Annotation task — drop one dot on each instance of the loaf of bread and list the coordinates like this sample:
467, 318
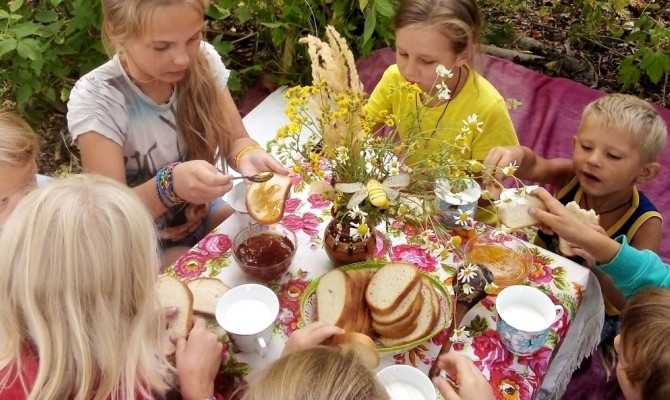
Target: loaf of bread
588, 217
265, 200
172, 292
362, 346
206, 293
513, 209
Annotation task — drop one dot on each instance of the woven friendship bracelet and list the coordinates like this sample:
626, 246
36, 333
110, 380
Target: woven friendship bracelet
165, 186
243, 152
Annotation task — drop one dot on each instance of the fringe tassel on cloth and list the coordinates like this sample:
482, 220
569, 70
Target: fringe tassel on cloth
580, 341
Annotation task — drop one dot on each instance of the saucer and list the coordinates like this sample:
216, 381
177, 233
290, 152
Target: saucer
404, 382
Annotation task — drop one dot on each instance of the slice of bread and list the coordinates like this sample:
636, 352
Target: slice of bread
361, 345
588, 217
172, 292
360, 321
513, 215
402, 327
265, 200
206, 293
408, 308
334, 298
425, 321
388, 288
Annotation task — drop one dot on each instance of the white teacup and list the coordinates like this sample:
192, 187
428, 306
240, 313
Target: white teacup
525, 315
403, 381
247, 313
236, 198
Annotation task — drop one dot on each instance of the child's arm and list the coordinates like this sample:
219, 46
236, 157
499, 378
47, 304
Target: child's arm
629, 268
648, 235
195, 181
556, 172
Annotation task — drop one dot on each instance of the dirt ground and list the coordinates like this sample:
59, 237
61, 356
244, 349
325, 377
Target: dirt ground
538, 40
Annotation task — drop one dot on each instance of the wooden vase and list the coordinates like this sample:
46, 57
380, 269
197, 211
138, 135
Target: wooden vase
342, 248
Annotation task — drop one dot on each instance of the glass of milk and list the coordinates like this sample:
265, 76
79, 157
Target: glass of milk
247, 313
525, 315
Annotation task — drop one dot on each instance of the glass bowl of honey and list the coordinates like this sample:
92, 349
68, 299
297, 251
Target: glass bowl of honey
264, 252
507, 257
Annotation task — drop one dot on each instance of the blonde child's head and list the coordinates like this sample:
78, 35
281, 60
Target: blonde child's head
19, 148
644, 346
318, 373
458, 20
199, 114
78, 268
634, 115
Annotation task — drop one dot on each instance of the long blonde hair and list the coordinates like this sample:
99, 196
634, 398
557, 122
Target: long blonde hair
18, 141
78, 269
458, 20
199, 115
319, 373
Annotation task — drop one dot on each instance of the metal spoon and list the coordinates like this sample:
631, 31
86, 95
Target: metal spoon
258, 178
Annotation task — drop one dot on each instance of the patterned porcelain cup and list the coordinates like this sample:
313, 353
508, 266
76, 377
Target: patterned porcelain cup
525, 315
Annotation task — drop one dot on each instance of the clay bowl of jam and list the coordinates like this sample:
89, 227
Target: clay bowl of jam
264, 252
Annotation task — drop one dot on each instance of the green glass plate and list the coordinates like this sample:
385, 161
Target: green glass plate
308, 306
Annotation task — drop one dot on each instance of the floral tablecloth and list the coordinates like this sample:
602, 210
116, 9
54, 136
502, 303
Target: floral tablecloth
511, 376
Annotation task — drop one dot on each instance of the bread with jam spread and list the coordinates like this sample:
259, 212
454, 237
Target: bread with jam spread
265, 200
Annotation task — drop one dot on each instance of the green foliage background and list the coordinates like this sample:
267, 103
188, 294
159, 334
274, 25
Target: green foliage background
45, 46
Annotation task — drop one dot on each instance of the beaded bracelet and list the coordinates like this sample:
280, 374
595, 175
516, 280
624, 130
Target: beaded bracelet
165, 186
243, 152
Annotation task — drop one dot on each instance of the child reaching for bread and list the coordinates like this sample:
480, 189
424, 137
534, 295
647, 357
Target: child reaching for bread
629, 268
616, 148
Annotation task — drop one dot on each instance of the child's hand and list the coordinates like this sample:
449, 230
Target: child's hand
310, 336
258, 160
198, 362
199, 182
471, 383
559, 220
502, 157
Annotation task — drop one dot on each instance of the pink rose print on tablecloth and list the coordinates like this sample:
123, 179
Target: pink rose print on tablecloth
292, 204
318, 202
190, 265
214, 245
561, 326
540, 272
490, 351
538, 361
509, 385
307, 223
381, 244
440, 337
488, 302
413, 253
289, 302
295, 179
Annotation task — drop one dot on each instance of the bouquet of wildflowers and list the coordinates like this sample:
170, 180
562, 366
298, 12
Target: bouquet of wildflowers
351, 158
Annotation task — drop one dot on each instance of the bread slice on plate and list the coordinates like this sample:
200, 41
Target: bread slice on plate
402, 327
426, 320
361, 345
409, 307
513, 209
360, 320
588, 217
389, 286
265, 200
334, 298
206, 293
172, 292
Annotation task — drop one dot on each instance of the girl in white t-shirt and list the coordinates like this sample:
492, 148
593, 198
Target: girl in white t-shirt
158, 116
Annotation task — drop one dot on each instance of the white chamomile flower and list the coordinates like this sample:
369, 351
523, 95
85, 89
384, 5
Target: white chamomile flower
443, 72
357, 213
359, 231
529, 189
341, 154
464, 217
443, 92
460, 334
510, 169
496, 233
473, 123
491, 288
467, 289
468, 272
